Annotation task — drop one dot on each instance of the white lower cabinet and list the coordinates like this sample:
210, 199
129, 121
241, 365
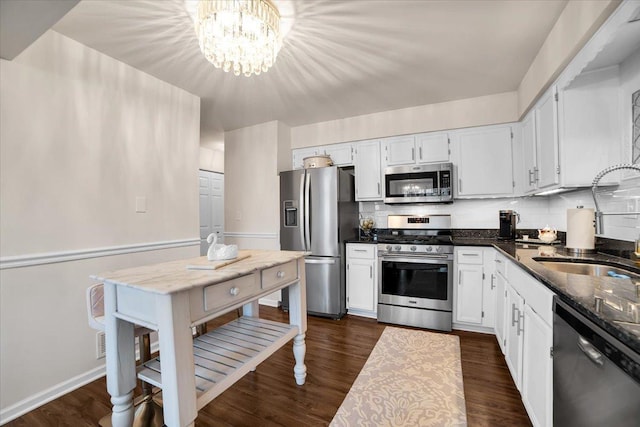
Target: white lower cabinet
537, 369
474, 289
362, 280
514, 334
528, 340
501, 304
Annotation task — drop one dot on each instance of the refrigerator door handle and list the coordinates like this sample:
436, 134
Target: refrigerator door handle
307, 212
302, 211
319, 261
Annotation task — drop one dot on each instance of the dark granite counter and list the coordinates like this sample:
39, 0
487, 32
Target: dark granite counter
620, 306
369, 242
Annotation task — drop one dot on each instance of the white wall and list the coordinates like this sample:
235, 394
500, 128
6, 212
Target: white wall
484, 110
252, 189
81, 137
577, 23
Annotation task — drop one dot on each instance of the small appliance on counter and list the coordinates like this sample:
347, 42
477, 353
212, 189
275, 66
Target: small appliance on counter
508, 220
581, 230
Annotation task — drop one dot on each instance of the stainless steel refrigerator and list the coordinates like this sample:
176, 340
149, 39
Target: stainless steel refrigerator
318, 213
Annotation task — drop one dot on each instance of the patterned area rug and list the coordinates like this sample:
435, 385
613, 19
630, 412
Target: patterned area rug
412, 378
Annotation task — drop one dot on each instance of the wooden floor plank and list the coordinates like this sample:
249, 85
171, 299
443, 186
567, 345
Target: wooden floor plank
336, 352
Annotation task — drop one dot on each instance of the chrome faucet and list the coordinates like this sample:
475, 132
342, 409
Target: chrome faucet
596, 180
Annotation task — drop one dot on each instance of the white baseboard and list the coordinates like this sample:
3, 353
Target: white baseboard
39, 399
35, 401
473, 328
269, 302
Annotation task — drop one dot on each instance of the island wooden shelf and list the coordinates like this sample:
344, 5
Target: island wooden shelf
226, 354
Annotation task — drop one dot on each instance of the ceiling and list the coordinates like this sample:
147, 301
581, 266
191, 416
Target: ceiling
339, 59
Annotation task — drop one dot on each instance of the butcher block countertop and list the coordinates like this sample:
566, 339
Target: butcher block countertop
174, 276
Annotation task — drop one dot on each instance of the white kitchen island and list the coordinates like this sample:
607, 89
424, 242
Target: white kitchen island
171, 299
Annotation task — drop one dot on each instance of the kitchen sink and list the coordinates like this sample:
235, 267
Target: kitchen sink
586, 269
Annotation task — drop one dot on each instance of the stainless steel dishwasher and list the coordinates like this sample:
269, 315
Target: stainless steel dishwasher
596, 378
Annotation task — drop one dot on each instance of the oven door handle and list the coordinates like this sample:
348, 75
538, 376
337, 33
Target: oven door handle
413, 257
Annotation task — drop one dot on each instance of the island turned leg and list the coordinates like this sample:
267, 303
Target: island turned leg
120, 361
298, 317
299, 350
123, 413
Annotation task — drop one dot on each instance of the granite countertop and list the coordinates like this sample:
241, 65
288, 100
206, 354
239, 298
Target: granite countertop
366, 242
620, 310
174, 276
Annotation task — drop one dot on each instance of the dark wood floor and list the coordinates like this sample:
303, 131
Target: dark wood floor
336, 352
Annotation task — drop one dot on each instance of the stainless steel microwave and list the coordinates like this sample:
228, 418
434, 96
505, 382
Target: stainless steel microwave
431, 183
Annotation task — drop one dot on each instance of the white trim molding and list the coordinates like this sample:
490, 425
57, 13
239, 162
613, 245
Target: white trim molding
64, 256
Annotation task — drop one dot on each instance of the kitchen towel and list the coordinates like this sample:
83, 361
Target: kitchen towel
581, 231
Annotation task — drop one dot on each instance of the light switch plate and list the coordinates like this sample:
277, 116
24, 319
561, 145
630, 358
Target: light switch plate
141, 204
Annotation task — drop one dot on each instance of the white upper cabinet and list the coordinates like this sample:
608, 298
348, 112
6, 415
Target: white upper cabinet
400, 150
484, 162
591, 120
300, 154
368, 171
432, 147
546, 112
341, 154
539, 131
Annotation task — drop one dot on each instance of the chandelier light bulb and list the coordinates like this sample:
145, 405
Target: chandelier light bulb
242, 36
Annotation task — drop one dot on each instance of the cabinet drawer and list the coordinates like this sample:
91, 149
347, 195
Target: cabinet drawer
361, 251
274, 276
223, 294
469, 256
501, 265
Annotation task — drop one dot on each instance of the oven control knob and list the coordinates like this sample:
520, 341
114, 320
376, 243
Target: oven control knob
413, 248
438, 249
429, 248
397, 248
388, 248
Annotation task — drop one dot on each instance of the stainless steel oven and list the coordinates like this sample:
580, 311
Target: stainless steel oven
415, 265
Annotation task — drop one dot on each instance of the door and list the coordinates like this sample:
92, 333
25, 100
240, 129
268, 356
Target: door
211, 191
291, 210
361, 287
469, 294
501, 304
489, 289
368, 172
514, 335
321, 189
433, 148
485, 162
400, 150
529, 152
325, 295
547, 140
537, 373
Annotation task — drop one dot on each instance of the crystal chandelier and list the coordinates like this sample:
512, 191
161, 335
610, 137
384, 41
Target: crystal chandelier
242, 36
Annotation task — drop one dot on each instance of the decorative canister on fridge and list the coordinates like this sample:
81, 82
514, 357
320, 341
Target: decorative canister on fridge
319, 161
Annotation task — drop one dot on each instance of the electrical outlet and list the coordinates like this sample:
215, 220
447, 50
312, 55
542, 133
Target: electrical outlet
101, 345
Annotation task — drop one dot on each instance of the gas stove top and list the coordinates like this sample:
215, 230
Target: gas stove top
424, 234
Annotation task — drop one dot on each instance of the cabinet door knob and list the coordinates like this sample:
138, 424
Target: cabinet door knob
280, 274
234, 291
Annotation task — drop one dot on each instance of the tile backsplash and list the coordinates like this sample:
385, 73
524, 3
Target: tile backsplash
535, 212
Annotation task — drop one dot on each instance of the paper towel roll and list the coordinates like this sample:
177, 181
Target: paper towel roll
581, 231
